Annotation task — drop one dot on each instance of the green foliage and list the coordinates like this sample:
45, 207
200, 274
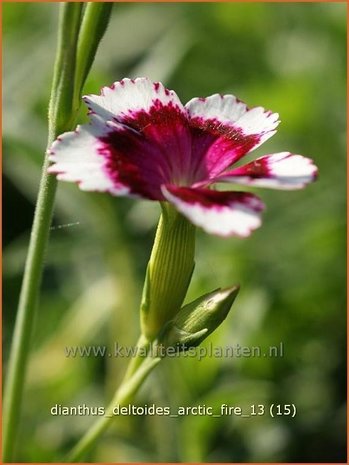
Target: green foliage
287, 57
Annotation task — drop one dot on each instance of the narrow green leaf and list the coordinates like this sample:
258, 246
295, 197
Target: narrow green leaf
94, 24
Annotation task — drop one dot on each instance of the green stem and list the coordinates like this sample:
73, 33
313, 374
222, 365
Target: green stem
62, 91
123, 396
142, 345
72, 49
168, 276
59, 114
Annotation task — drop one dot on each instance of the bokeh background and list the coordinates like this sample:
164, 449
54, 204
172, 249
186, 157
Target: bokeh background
289, 57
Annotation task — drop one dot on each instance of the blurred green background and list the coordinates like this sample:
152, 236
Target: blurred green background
289, 57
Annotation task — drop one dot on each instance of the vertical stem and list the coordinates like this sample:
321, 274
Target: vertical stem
142, 345
59, 119
75, 53
123, 396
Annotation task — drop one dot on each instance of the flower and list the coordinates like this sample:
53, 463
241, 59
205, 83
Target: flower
142, 142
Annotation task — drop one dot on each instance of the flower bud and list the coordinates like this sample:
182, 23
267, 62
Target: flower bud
197, 320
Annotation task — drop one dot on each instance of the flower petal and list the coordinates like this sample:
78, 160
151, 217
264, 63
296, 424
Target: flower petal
75, 156
155, 112
224, 130
110, 157
225, 115
282, 170
220, 213
128, 96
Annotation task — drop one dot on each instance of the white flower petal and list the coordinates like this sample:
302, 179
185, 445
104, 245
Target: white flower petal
282, 170
75, 157
130, 96
223, 131
220, 213
228, 115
